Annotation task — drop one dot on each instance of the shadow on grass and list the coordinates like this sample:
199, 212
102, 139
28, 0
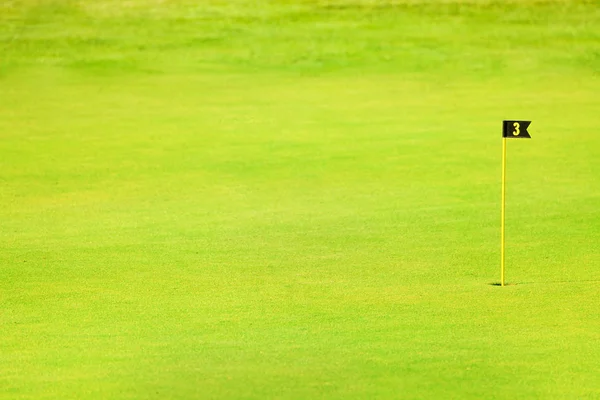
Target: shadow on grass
546, 283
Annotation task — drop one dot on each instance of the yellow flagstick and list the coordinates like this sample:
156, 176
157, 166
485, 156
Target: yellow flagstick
503, 211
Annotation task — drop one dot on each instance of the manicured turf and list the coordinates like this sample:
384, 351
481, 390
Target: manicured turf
298, 199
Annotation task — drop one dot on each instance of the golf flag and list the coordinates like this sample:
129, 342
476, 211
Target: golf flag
515, 129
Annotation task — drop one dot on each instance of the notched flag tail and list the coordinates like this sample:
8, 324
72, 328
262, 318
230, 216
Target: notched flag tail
515, 129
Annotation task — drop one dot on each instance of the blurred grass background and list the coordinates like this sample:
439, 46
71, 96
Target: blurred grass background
449, 38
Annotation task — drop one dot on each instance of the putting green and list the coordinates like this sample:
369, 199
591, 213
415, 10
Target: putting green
297, 199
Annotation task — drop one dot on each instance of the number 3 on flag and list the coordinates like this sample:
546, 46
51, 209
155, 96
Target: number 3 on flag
515, 129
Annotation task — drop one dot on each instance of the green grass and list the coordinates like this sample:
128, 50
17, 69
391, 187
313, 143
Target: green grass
298, 199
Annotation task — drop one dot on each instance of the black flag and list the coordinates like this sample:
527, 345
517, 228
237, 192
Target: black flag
515, 129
